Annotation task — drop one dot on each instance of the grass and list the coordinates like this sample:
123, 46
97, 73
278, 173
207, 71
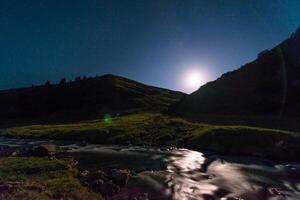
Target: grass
42, 178
158, 129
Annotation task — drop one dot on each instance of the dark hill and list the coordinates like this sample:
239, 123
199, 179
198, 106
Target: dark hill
268, 86
82, 99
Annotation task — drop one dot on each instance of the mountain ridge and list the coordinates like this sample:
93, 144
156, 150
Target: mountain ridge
84, 98
269, 85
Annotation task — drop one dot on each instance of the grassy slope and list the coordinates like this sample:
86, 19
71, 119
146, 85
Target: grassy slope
157, 129
42, 178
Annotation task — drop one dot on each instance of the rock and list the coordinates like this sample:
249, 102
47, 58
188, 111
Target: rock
36, 188
211, 176
208, 197
134, 174
98, 175
75, 162
97, 183
234, 198
120, 177
6, 150
101, 182
15, 153
6, 187
275, 192
13, 183
44, 150
83, 176
291, 170
144, 196
93, 179
84, 143
108, 188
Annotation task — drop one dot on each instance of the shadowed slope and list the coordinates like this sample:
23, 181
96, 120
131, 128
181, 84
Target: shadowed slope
270, 85
83, 99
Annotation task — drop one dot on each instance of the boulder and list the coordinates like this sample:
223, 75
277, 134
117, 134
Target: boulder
6, 188
15, 153
106, 184
145, 196
98, 175
83, 176
275, 192
120, 177
36, 188
6, 150
108, 188
44, 150
97, 183
84, 143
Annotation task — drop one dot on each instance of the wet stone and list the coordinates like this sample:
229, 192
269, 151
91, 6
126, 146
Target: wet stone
275, 192
108, 188
84, 143
97, 183
44, 150
145, 196
84, 174
98, 175
120, 177
36, 188
6, 187
234, 198
15, 153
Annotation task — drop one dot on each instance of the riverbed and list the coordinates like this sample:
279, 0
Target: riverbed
166, 173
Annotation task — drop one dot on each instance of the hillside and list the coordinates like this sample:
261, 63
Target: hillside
268, 86
82, 99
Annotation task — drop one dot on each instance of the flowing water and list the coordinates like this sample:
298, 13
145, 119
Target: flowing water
182, 174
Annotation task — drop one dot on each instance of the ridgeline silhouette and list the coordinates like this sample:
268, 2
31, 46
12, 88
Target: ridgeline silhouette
84, 98
268, 86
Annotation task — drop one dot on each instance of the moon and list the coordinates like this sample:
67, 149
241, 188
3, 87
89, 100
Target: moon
193, 79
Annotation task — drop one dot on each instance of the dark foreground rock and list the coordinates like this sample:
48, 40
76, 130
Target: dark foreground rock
120, 177
6, 150
9, 186
44, 150
96, 175
105, 183
107, 188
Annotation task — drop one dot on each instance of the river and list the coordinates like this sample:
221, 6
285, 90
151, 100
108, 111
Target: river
182, 174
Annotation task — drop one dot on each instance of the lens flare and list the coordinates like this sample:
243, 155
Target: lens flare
107, 119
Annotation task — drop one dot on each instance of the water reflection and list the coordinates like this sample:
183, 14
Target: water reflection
181, 174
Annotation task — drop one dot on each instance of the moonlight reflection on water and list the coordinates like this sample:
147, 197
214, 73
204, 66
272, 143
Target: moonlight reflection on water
182, 174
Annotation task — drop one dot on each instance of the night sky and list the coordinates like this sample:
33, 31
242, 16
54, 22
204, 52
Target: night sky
152, 41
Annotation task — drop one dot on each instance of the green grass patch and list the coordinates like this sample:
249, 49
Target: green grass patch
158, 129
42, 178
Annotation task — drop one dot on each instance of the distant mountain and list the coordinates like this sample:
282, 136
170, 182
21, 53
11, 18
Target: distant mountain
270, 85
82, 99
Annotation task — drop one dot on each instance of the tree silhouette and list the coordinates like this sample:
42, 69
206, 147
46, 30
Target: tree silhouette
63, 81
47, 83
78, 78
